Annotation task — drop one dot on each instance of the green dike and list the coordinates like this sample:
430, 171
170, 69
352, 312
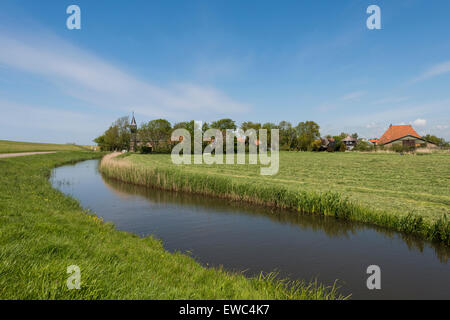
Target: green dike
243, 183
18, 147
42, 232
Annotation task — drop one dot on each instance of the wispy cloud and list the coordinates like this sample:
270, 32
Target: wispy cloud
339, 102
403, 113
434, 71
89, 78
326, 107
390, 100
380, 119
43, 123
373, 125
353, 95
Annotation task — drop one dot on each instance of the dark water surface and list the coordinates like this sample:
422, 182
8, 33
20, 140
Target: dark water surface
253, 239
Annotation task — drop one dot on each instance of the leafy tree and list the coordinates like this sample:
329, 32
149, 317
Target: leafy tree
224, 124
288, 135
191, 127
205, 126
269, 127
250, 125
157, 132
124, 135
185, 125
100, 141
440, 142
117, 137
307, 132
180, 125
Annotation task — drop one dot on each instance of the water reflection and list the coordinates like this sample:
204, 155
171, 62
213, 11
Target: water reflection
331, 226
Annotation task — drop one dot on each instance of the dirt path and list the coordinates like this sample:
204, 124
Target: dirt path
10, 155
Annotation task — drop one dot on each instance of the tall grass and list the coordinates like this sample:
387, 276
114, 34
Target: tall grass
42, 232
325, 203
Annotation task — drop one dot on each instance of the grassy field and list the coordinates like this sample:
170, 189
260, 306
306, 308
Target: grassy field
408, 193
15, 146
42, 232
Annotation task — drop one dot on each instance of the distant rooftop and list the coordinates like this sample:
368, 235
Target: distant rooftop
397, 132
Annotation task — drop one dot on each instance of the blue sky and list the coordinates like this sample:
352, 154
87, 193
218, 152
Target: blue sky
204, 60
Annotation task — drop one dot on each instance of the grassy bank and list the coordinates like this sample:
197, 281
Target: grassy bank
42, 232
407, 193
16, 146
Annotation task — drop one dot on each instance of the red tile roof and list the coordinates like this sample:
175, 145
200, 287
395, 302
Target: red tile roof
397, 132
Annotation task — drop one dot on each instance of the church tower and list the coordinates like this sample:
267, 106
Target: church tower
133, 139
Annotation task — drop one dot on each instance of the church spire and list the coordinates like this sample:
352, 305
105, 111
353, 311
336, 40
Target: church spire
133, 120
133, 138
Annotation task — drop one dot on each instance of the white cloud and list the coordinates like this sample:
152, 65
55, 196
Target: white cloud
87, 77
434, 71
420, 122
441, 127
46, 124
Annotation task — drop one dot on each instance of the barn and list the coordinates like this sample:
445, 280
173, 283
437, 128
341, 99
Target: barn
403, 135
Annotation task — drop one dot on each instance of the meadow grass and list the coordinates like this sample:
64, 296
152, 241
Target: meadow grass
407, 193
16, 146
42, 232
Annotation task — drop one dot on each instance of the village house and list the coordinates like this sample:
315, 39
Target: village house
349, 142
403, 135
327, 144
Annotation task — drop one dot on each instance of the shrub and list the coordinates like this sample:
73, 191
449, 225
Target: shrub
316, 144
145, 149
363, 146
401, 148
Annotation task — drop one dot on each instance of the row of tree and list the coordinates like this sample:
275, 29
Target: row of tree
305, 136
158, 133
